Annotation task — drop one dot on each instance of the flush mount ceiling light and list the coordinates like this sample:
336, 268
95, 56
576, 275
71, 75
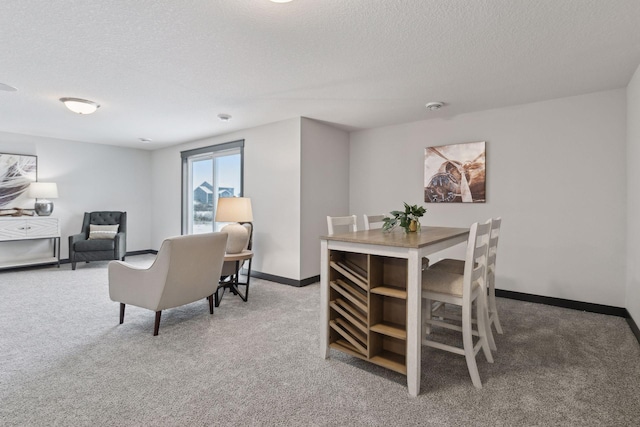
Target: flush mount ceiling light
145, 140
280, 1
434, 106
80, 106
224, 117
7, 88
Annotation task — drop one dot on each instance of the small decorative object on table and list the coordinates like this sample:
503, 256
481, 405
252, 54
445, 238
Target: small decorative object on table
16, 212
407, 219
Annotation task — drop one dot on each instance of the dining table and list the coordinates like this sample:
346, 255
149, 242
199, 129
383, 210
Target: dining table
370, 290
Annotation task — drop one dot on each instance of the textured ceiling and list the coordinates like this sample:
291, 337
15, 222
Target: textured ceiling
164, 69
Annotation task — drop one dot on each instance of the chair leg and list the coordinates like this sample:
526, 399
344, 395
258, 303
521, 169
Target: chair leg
423, 323
426, 304
210, 298
486, 337
490, 340
121, 313
495, 320
73, 266
157, 324
493, 309
487, 321
467, 340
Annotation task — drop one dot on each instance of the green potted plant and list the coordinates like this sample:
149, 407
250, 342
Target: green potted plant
407, 219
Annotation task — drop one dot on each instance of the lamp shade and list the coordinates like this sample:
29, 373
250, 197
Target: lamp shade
43, 190
234, 209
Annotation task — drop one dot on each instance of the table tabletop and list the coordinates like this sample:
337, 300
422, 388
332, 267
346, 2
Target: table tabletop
240, 256
398, 238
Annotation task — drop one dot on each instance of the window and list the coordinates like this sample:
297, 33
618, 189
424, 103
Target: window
209, 173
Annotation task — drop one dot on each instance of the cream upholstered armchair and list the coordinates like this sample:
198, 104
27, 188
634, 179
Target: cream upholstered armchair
186, 269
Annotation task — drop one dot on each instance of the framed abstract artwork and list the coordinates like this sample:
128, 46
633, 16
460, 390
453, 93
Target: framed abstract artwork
17, 172
455, 173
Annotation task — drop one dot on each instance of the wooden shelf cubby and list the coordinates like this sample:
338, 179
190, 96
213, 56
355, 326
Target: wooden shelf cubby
368, 312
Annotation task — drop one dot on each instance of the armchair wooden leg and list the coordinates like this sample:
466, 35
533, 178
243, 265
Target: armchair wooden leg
73, 265
210, 298
121, 313
157, 325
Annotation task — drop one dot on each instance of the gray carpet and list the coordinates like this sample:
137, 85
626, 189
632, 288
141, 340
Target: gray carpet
64, 360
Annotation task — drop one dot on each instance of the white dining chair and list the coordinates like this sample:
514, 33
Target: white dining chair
348, 223
491, 274
457, 266
373, 221
462, 290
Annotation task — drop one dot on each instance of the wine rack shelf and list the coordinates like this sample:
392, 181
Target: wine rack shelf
367, 304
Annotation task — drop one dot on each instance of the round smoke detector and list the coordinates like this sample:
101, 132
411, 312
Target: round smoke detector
433, 106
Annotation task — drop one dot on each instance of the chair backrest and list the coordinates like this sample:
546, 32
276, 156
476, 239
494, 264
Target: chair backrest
341, 221
475, 265
105, 218
493, 248
373, 221
193, 264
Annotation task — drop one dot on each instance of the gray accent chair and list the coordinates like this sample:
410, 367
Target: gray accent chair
83, 249
185, 270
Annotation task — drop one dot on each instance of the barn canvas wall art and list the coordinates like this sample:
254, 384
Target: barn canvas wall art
455, 173
17, 172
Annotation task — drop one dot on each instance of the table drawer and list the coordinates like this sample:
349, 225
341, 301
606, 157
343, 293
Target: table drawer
42, 227
28, 228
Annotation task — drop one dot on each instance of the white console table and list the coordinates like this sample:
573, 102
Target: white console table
30, 228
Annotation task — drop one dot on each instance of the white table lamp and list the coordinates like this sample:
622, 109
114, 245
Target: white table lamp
42, 192
236, 210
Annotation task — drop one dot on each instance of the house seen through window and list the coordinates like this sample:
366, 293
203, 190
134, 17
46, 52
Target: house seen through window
209, 173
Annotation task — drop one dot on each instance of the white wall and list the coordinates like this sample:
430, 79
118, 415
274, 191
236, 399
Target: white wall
633, 194
555, 172
325, 189
272, 181
90, 177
